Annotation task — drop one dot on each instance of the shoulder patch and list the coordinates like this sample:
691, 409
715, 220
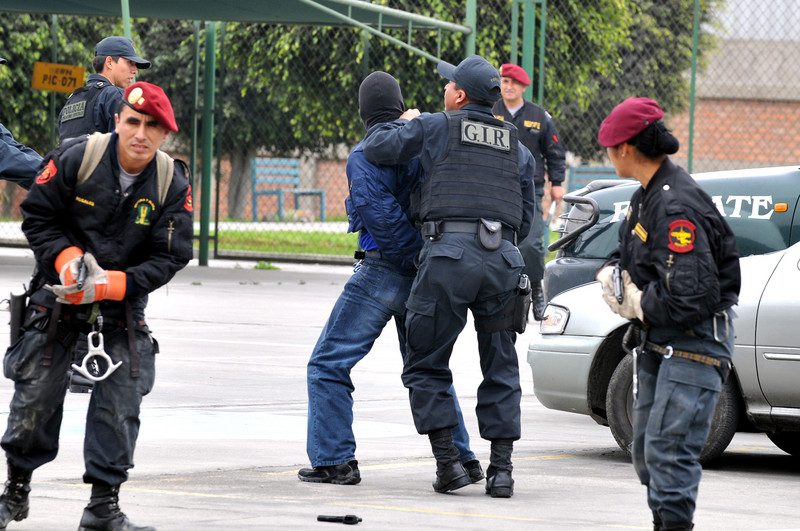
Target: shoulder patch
188, 203
681, 236
47, 173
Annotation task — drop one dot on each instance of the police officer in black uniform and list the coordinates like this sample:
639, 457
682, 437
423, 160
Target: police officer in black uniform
474, 201
538, 133
94, 281
91, 108
680, 277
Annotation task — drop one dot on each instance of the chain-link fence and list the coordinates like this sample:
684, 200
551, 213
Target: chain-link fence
290, 93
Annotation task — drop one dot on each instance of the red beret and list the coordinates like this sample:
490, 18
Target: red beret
517, 73
150, 99
627, 120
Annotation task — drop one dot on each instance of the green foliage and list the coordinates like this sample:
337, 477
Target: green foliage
25, 40
651, 60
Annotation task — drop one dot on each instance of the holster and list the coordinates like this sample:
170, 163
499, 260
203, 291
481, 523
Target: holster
16, 305
522, 304
514, 316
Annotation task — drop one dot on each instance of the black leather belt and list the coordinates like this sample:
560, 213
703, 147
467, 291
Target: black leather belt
360, 255
669, 352
470, 227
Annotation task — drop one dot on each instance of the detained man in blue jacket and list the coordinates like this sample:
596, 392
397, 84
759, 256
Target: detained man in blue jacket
378, 208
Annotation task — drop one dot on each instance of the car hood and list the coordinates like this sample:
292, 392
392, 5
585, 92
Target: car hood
589, 315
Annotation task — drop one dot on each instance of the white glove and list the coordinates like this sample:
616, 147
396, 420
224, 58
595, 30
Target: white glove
631, 306
606, 278
99, 285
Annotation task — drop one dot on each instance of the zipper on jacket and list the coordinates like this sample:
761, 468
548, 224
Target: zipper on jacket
170, 230
670, 263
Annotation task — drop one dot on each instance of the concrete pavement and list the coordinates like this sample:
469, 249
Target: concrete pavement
223, 432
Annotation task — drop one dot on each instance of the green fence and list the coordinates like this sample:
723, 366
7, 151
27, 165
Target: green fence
290, 92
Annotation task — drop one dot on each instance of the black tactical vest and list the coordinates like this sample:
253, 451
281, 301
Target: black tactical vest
77, 117
478, 177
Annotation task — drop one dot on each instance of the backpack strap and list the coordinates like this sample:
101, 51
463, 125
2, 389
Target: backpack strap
95, 148
165, 167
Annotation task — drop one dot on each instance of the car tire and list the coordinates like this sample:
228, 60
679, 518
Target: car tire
619, 404
619, 412
788, 441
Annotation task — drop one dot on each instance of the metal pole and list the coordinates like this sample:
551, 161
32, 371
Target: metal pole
542, 26
196, 99
514, 30
528, 29
208, 139
691, 92
471, 21
54, 58
126, 18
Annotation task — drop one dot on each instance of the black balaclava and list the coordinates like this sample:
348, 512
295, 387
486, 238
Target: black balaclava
380, 99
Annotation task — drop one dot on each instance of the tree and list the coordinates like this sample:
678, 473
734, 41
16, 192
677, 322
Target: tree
25, 40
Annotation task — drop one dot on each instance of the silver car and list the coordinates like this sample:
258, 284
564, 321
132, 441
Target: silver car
579, 366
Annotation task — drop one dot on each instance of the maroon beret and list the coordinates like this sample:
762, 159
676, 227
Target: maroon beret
627, 120
517, 73
150, 99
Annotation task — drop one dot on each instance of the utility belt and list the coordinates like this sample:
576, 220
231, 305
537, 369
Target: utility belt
360, 255
489, 231
669, 352
649, 355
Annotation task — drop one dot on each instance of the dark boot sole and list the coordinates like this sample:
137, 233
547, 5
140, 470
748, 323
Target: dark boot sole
346, 481
457, 483
500, 492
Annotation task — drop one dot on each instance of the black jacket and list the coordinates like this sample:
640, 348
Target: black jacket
129, 232
678, 250
537, 132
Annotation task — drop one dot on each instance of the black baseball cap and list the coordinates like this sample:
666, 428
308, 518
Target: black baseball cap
120, 47
476, 76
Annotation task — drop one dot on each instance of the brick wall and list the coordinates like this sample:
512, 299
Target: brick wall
735, 133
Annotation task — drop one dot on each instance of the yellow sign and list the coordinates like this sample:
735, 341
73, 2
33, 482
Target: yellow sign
56, 77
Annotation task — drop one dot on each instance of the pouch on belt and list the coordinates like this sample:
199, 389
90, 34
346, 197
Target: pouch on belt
490, 233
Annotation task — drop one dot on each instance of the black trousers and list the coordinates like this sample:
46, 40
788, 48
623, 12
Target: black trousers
457, 274
37, 407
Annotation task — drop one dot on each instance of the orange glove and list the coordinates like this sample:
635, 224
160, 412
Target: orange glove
68, 262
99, 285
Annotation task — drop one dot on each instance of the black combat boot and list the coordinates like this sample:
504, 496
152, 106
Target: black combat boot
14, 500
450, 473
103, 513
537, 301
667, 525
499, 483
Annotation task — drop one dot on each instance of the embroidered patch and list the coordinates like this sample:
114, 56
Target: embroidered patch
143, 209
188, 204
640, 232
47, 173
681, 236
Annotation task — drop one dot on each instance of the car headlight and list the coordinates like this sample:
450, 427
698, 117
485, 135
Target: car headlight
555, 320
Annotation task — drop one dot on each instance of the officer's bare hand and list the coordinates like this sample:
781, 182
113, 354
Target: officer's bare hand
410, 114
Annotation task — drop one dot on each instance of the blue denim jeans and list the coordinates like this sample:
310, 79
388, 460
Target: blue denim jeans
671, 419
375, 293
